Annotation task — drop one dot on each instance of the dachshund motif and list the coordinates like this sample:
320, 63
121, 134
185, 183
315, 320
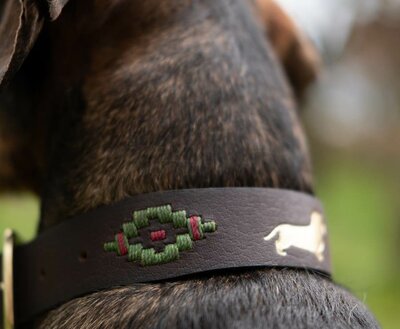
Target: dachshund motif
310, 237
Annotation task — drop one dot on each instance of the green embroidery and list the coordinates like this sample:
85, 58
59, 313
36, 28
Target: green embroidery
164, 214
184, 242
135, 252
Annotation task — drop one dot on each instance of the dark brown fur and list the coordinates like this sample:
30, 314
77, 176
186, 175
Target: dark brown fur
127, 97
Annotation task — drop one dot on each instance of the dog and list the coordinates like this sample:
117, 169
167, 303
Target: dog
103, 99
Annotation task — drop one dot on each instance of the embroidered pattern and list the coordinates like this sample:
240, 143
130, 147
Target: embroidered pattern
194, 227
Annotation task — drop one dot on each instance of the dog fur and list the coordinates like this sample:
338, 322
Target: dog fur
123, 97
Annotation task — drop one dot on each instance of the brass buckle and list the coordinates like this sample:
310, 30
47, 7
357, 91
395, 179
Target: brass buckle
7, 285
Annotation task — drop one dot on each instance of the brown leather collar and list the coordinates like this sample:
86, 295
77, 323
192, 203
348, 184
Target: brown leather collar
167, 235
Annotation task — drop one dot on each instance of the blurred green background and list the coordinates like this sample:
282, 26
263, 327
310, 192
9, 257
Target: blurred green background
352, 118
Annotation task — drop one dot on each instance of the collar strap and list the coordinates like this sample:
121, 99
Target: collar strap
165, 235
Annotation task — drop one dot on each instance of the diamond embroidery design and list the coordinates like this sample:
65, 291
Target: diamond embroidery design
194, 227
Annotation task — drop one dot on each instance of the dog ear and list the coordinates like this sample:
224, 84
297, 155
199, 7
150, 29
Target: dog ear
298, 56
55, 7
20, 24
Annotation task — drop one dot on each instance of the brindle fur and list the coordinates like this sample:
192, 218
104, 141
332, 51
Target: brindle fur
127, 97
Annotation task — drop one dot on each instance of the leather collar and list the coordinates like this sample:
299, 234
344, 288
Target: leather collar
165, 235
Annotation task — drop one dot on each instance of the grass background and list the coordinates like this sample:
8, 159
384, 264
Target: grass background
364, 225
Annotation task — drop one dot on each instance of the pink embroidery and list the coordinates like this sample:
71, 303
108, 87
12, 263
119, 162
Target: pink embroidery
121, 244
194, 223
158, 235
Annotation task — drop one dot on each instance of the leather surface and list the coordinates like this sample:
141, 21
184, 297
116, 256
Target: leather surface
49, 271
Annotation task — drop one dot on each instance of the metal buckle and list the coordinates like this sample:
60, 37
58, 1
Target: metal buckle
7, 285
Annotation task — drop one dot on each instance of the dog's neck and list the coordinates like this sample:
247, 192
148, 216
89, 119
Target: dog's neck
186, 96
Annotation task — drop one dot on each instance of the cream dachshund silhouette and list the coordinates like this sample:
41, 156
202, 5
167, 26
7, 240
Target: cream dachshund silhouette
309, 237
